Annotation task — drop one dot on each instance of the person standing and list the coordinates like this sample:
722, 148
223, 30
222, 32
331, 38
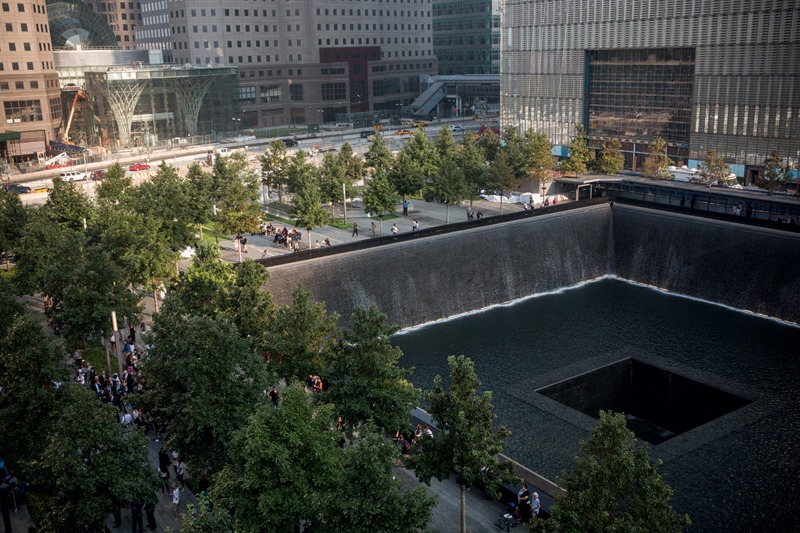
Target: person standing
524, 503
137, 524
374, 227
274, 396
536, 504
394, 229
176, 499
355, 230
414, 226
405, 208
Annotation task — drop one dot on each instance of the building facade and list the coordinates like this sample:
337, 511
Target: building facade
30, 104
466, 36
154, 31
308, 62
702, 74
122, 17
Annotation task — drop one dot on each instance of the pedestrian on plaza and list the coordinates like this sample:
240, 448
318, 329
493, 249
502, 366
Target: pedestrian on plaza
163, 475
414, 226
113, 341
405, 208
274, 396
355, 230
176, 499
394, 229
374, 227
536, 504
137, 525
244, 244
150, 512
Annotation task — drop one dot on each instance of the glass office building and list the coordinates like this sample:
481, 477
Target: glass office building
466, 36
703, 74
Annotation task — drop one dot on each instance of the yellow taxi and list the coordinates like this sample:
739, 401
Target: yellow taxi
403, 132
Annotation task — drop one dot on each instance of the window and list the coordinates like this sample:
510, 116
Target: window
6, 8
23, 111
271, 93
23, 27
21, 8
19, 85
55, 108
34, 84
296, 92
334, 91
3, 85
247, 94
14, 66
12, 47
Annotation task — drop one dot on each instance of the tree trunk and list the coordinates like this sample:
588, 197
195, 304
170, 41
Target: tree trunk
309, 238
201, 230
501, 202
447, 213
463, 508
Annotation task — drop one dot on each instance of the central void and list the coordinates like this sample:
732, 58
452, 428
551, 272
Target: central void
658, 404
733, 471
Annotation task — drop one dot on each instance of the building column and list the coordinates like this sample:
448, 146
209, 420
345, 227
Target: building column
123, 95
189, 93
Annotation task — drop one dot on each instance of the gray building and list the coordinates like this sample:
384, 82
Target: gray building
466, 36
154, 31
721, 75
308, 61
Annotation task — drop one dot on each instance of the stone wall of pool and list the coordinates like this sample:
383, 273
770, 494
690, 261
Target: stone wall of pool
419, 281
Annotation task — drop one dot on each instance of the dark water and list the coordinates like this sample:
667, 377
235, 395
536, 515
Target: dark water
737, 473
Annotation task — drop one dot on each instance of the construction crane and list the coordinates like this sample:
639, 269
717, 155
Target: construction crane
80, 95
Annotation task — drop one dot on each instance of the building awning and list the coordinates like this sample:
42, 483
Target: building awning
9, 136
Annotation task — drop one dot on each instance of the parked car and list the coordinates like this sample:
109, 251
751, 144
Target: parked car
73, 175
366, 134
326, 148
99, 174
403, 132
456, 127
138, 166
17, 188
289, 142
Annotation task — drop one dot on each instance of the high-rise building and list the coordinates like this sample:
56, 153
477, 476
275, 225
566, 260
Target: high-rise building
154, 31
466, 36
30, 104
702, 74
308, 61
123, 17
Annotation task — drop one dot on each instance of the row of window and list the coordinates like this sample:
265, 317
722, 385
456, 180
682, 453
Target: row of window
111, 6
457, 8
29, 65
375, 27
6, 7
32, 84
23, 27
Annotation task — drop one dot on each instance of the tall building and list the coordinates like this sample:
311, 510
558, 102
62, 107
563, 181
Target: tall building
308, 61
122, 17
154, 31
30, 112
466, 36
702, 74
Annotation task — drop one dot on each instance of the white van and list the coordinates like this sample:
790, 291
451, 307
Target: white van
223, 152
73, 175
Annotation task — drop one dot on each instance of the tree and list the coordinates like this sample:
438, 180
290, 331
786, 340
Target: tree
249, 305
378, 157
237, 196
466, 444
517, 153
490, 144
366, 383
301, 338
370, 498
115, 187
775, 175
614, 487
38, 251
165, 199
444, 143
201, 195
67, 205
540, 157
714, 169
274, 165
379, 196
500, 176
210, 380
656, 164
284, 465
417, 162
204, 289
611, 160
307, 206
353, 166
331, 178
472, 162
13, 218
87, 465
205, 517
449, 185
578, 152
300, 171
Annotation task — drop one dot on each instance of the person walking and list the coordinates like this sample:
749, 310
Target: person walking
414, 226
355, 230
394, 229
374, 227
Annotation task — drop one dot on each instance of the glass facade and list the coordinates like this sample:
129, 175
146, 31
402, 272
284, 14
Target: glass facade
73, 23
557, 68
466, 36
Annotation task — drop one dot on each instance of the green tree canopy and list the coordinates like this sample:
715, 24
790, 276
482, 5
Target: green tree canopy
204, 288
201, 194
472, 162
366, 383
579, 156
611, 160
13, 217
238, 210
378, 156
776, 174
467, 444
500, 176
517, 152
418, 161
302, 337
370, 498
490, 144
656, 164
116, 187
353, 165
379, 196
714, 169
67, 205
284, 465
274, 166
614, 487
211, 379
539, 151
165, 199
449, 184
